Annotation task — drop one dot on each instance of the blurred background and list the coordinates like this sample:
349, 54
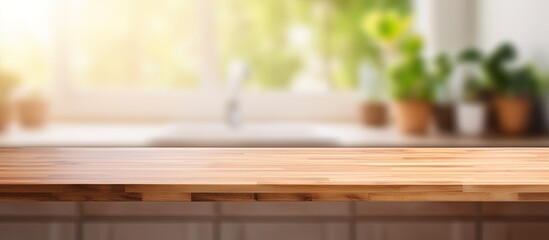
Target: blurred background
273, 73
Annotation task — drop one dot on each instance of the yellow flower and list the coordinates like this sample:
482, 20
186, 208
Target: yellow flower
386, 26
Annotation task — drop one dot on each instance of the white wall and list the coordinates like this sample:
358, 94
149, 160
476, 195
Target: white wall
523, 22
447, 25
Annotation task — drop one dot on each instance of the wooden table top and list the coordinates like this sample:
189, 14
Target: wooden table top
285, 174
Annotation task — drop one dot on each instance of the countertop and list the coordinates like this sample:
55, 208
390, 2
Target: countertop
274, 174
211, 134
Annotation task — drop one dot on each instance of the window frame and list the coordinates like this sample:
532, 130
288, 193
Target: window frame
207, 103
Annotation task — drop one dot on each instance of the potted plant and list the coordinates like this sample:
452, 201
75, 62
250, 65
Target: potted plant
514, 88
386, 28
411, 89
513, 105
373, 108
33, 110
444, 108
8, 83
472, 110
469, 90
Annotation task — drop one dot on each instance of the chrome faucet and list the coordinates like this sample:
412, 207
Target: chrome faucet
239, 73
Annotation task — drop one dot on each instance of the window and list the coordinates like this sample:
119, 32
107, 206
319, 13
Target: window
26, 39
133, 44
184, 47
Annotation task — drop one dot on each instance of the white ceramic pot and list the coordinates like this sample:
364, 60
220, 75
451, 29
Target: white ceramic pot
471, 118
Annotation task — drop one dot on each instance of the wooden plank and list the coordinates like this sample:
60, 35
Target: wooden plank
274, 174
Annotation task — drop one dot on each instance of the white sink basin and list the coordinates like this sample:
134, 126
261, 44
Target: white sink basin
251, 135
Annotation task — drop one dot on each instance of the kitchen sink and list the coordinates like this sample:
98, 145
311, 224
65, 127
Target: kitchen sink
249, 135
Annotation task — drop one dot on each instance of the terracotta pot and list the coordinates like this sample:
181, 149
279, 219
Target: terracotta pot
513, 114
471, 118
6, 115
444, 118
374, 114
412, 117
33, 113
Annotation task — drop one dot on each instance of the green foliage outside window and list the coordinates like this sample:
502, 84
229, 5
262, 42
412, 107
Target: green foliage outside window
257, 32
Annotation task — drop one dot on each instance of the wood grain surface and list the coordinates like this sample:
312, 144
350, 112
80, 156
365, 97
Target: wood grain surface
276, 174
